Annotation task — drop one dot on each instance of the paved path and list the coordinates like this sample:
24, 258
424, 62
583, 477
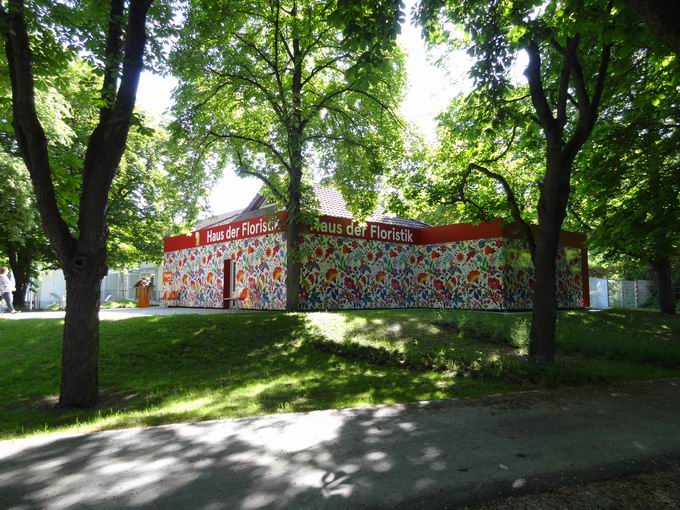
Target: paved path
429, 455
114, 314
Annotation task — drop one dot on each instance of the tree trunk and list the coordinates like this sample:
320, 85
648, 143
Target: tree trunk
542, 345
295, 131
293, 231
662, 267
552, 206
21, 264
79, 361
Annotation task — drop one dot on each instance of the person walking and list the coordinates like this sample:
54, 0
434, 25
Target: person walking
6, 289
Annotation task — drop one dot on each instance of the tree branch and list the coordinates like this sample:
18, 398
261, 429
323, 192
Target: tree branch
28, 129
256, 141
538, 98
242, 169
108, 139
112, 59
512, 202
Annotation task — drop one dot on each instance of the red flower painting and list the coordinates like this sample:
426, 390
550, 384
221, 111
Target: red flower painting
473, 276
349, 283
380, 276
422, 277
331, 274
278, 271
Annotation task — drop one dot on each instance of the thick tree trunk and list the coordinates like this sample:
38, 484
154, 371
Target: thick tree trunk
295, 131
662, 267
293, 232
542, 345
79, 361
552, 206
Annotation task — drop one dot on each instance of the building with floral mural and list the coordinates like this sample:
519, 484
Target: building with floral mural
385, 262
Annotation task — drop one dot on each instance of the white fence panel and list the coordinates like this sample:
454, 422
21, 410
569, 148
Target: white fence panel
598, 293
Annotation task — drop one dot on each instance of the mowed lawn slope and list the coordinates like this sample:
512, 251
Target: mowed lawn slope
170, 369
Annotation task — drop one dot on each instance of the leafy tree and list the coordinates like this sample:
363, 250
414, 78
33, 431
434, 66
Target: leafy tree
279, 87
566, 42
81, 252
628, 180
22, 242
150, 196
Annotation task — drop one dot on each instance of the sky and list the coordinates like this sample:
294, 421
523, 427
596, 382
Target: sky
430, 88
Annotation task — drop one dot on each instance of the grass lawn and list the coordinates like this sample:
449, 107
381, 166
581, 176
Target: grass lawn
156, 370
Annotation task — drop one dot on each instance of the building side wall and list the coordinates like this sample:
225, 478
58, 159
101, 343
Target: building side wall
343, 273
519, 280
197, 274
350, 273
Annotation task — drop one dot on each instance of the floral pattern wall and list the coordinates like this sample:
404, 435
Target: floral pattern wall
346, 273
354, 273
197, 278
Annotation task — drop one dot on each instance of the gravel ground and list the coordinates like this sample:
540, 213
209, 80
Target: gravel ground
658, 490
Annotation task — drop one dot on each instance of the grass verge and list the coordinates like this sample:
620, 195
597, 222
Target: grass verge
156, 370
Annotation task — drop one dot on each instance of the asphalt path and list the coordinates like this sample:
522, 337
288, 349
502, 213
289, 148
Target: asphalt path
115, 314
427, 455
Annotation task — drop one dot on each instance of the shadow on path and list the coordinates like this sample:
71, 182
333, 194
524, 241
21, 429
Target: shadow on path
430, 455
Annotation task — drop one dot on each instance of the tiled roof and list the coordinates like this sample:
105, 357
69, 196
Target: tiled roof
218, 219
331, 203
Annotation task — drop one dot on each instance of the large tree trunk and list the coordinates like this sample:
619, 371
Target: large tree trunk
555, 187
542, 345
79, 361
662, 267
83, 257
293, 259
293, 231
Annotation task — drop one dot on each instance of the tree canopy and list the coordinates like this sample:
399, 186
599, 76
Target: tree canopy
289, 90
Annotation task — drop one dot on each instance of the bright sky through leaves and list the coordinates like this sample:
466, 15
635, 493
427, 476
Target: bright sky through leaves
430, 89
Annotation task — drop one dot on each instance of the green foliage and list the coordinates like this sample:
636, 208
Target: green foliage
276, 88
628, 179
153, 195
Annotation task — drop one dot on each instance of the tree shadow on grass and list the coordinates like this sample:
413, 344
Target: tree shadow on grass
626, 335
173, 369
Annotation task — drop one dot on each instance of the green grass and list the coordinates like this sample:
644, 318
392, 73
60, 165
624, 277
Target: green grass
156, 370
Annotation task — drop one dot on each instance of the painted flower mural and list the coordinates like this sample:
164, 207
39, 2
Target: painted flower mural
197, 273
341, 273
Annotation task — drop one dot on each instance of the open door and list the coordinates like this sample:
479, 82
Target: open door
229, 283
